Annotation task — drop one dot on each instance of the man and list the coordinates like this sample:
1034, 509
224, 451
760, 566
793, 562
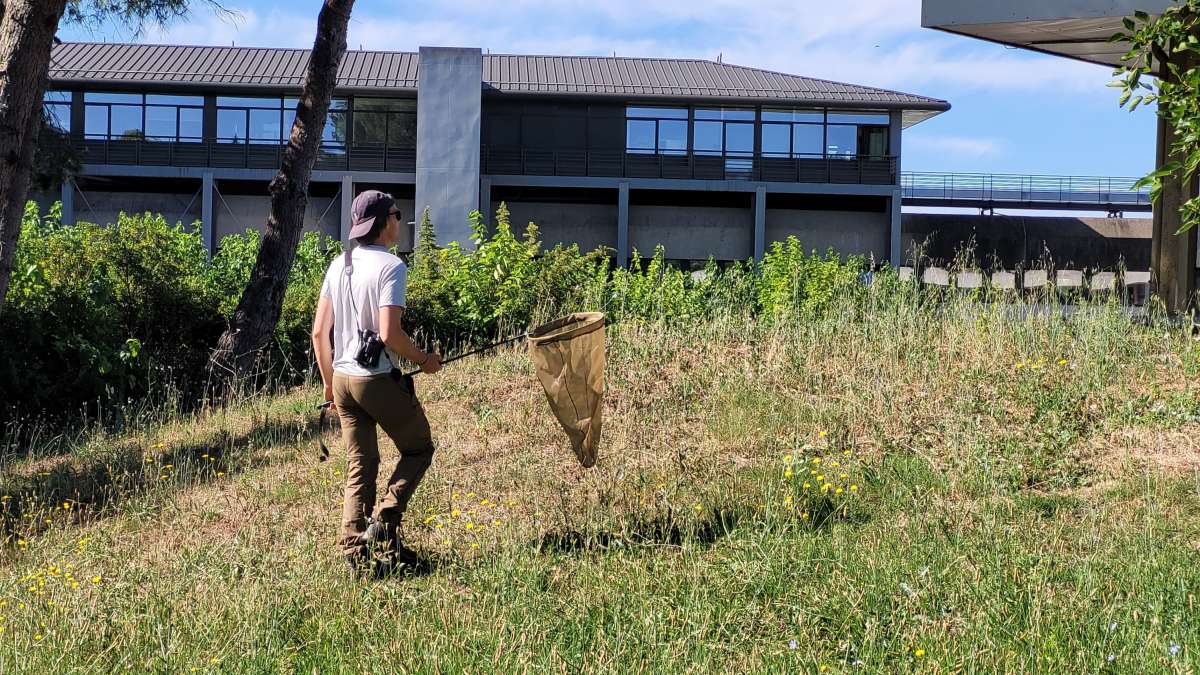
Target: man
362, 299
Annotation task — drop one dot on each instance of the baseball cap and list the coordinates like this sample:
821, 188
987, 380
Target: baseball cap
368, 206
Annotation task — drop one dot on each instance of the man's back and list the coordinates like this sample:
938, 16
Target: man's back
377, 279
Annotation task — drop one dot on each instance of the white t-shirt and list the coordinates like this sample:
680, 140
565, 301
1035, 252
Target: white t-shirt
378, 279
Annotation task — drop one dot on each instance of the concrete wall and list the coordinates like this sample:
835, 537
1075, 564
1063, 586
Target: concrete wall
237, 213
1072, 242
448, 128
101, 207
847, 232
589, 225
692, 232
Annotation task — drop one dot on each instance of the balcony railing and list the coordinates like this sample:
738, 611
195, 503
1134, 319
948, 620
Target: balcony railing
717, 166
215, 154
1007, 189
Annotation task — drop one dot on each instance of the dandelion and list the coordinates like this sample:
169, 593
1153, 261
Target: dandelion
496, 521
787, 499
816, 460
455, 496
1020, 365
475, 545
919, 653
846, 453
698, 508
804, 515
787, 473
838, 491
66, 506
842, 475
824, 667
1062, 362
470, 526
787, 459
823, 433
470, 495
96, 579
807, 485
854, 488
455, 513
222, 473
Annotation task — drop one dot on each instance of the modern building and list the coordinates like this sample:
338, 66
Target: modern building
703, 157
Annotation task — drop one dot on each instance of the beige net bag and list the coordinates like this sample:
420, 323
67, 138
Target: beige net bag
569, 356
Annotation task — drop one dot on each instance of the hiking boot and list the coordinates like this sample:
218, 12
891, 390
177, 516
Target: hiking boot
377, 534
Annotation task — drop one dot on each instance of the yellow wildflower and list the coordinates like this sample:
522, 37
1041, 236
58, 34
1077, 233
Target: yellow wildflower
455, 513
854, 488
823, 434
807, 485
787, 474
470, 526
96, 579
787, 459
919, 653
838, 491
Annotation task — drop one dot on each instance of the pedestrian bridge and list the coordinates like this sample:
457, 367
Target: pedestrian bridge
987, 191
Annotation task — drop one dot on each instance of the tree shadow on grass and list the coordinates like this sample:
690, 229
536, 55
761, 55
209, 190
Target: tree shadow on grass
90, 486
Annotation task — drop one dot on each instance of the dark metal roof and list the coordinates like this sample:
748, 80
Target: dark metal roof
163, 66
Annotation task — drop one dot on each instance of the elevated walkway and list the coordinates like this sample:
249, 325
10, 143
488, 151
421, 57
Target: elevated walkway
986, 191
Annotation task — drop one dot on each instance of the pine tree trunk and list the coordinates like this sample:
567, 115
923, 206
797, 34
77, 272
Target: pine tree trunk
27, 30
253, 325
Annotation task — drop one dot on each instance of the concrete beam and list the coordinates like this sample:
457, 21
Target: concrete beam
760, 222
68, 201
208, 223
485, 200
896, 233
623, 224
347, 203
948, 13
696, 185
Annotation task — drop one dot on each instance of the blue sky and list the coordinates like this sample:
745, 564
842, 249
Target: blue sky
1013, 111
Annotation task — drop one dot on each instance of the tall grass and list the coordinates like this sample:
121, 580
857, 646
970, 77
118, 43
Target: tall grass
1008, 490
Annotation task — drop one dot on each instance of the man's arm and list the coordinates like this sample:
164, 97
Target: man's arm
392, 332
322, 325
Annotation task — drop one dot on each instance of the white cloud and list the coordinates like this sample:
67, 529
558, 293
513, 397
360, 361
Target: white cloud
963, 146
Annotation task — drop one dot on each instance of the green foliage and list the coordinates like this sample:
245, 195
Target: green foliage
1171, 39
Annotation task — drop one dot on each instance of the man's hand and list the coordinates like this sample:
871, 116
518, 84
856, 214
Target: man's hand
329, 397
432, 363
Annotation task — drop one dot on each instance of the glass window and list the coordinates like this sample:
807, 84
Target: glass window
58, 115
95, 121
672, 137
174, 99
776, 139
108, 97
250, 102
707, 137
779, 115
843, 140
394, 104
370, 128
125, 121
657, 113
725, 114
874, 141
859, 118
808, 139
264, 126
335, 127
639, 135
739, 138
57, 97
402, 130
231, 126
160, 123
191, 124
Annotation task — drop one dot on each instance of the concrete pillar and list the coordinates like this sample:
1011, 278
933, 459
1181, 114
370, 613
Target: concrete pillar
485, 200
623, 224
450, 82
895, 149
68, 201
208, 223
347, 203
760, 222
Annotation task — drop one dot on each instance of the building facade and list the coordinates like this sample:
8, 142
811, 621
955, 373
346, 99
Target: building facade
701, 157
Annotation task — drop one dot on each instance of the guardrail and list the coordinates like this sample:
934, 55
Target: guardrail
978, 189
695, 166
239, 155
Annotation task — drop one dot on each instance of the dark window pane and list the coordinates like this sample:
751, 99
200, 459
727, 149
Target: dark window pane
858, 118
191, 124
59, 116
95, 121
672, 136
658, 113
873, 141
706, 137
843, 140
808, 139
57, 97
402, 130
231, 126
395, 104
160, 123
776, 139
739, 137
264, 126
249, 102
639, 135
126, 121
370, 128
108, 97
174, 99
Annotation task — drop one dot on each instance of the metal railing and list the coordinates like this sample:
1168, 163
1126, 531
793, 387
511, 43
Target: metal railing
240, 155
695, 166
979, 189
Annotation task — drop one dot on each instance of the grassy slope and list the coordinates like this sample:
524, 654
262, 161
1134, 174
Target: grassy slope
1025, 498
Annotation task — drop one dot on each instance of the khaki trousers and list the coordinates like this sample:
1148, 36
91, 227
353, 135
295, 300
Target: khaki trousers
363, 402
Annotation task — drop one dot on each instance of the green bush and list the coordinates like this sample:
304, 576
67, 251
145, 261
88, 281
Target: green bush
103, 313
